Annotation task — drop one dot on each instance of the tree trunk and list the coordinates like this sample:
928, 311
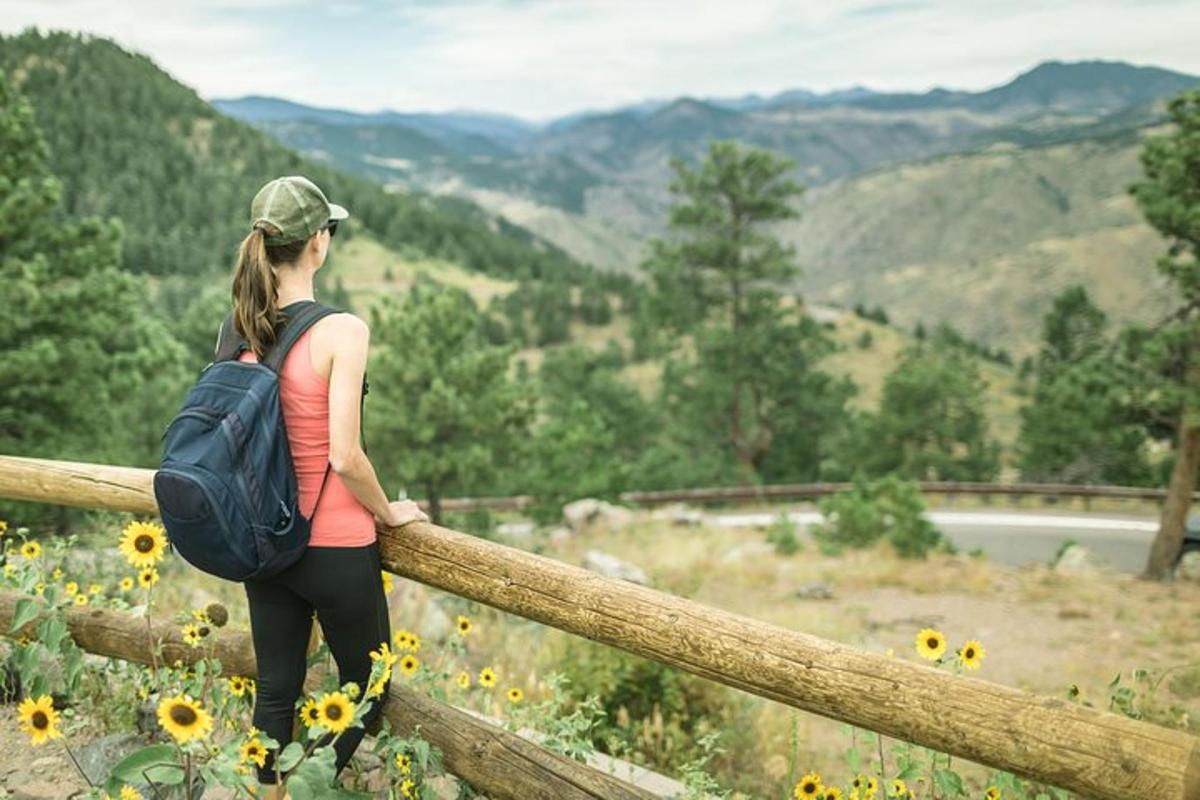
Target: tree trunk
1169, 540
434, 498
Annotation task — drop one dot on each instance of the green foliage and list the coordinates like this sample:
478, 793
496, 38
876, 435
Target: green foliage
85, 373
1081, 425
446, 415
751, 391
931, 423
889, 508
782, 535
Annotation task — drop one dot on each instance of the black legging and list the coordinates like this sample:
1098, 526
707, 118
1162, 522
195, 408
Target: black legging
344, 586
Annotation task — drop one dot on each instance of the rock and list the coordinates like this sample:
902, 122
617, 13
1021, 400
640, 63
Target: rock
98, 757
613, 567
558, 536
814, 591
1189, 567
519, 531
46, 762
1074, 613
581, 513
679, 514
1078, 560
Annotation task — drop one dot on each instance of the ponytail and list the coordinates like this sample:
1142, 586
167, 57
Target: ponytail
256, 287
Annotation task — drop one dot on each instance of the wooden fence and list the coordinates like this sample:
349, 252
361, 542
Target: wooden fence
815, 491
1094, 753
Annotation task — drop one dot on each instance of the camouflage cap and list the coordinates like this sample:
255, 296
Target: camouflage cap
295, 206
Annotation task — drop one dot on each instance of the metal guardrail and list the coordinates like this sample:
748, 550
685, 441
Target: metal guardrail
813, 491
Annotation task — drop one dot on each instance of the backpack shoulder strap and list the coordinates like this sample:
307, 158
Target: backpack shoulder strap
229, 343
295, 323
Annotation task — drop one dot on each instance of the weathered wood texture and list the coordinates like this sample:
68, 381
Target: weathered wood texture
488, 757
1097, 754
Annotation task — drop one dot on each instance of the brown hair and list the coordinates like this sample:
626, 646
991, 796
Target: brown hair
255, 288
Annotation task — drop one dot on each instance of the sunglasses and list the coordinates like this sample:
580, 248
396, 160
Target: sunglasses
332, 226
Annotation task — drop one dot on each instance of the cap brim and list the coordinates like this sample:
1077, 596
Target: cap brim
337, 212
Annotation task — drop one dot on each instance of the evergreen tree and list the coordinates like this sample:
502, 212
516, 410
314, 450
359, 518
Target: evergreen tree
1080, 426
445, 415
85, 373
1169, 197
719, 279
931, 423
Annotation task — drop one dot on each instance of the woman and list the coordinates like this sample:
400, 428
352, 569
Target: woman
320, 384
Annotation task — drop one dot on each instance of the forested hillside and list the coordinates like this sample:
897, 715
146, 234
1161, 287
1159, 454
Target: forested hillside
129, 141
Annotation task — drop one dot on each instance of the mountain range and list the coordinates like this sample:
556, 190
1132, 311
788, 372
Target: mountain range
936, 205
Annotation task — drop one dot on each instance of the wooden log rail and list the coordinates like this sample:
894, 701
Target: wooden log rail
1096, 754
490, 758
813, 491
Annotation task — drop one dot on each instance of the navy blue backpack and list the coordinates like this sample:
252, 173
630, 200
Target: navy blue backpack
226, 487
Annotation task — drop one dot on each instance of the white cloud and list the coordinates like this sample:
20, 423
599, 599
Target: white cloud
540, 58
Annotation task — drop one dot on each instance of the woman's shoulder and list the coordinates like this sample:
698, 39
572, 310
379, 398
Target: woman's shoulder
343, 325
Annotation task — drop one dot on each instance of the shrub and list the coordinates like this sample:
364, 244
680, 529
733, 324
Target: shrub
889, 508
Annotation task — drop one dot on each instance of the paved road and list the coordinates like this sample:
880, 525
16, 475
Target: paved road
1015, 537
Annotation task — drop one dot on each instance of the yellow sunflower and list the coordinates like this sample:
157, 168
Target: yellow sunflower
57, 574
3, 527
254, 752
515, 695
931, 644
487, 677
39, 719
200, 615
10, 570
143, 544
31, 550
147, 577
81, 599
309, 714
971, 654
191, 634
464, 625
899, 789
335, 712
237, 685
464, 680
407, 640
808, 787
993, 793
95, 588
872, 785
387, 581
130, 793
126, 584
71, 587
833, 793
409, 664
183, 718
406, 788
404, 763
352, 690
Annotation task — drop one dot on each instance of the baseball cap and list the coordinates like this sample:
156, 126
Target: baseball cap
294, 205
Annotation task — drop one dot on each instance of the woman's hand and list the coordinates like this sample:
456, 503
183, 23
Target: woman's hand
401, 512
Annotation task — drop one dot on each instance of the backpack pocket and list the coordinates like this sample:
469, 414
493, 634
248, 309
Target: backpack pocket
198, 511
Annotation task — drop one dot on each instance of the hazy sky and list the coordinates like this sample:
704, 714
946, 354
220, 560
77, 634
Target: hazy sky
541, 58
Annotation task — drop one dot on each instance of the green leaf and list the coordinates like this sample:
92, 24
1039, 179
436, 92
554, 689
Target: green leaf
158, 762
26, 610
290, 756
947, 781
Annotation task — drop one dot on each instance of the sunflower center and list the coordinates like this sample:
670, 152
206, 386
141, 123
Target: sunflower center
252, 750
931, 644
183, 715
810, 788
334, 712
40, 720
144, 543
970, 652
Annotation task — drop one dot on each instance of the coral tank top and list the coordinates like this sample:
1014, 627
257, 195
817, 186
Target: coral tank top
341, 520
